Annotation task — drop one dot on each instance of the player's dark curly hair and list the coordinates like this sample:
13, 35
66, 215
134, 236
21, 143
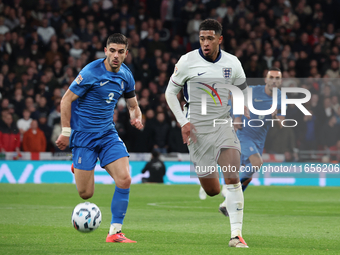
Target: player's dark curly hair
211, 24
117, 38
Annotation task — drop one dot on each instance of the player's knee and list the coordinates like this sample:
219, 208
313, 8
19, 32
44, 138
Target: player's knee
232, 180
213, 191
85, 194
257, 164
124, 183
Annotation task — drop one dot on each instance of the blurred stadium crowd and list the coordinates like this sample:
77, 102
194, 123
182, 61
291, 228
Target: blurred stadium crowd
44, 44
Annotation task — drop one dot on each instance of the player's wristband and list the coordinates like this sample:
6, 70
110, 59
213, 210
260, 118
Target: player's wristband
66, 131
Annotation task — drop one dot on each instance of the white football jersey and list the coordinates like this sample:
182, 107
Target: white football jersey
198, 78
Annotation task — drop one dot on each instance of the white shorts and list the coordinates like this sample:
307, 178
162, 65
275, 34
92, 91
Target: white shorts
205, 152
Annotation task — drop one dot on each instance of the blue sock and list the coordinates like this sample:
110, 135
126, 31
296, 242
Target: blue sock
119, 205
247, 173
244, 186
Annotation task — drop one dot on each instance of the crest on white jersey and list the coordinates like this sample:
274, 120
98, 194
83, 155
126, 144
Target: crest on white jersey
176, 70
226, 72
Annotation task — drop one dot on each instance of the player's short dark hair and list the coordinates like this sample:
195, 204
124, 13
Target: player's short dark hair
211, 24
118, 39
274, 69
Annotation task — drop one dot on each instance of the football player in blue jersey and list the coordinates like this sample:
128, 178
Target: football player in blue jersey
252, 139
87, 126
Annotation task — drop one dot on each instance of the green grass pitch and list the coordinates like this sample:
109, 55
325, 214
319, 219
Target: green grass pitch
170, 219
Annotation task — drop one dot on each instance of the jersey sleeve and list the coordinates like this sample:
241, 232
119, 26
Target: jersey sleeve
279, 110
129, 89
180, 74
239, 75
82, 83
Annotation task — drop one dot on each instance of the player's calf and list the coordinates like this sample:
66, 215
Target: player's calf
211, 186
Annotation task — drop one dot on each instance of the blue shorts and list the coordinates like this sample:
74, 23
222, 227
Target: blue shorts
248, 148
88, 146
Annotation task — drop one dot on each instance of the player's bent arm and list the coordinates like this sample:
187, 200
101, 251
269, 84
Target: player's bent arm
279, 123
134, 111
172, 100
65, 108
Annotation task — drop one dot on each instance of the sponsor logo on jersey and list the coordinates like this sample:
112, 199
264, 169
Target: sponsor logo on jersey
226, 72
199, 74
258, 100
122, 85
103, 83
79, 79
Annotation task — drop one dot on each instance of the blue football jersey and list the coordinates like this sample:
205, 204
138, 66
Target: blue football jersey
98, 91
261, 101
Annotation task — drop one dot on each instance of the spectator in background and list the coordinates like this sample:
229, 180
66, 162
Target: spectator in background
34, 139
302, 39
333, 72
193, 31
42, 124
54, 116
24, 123
330, 134
18, 101
156, 168
12, 21
45, 31
53, 54
76, 50
161, 133
9, 134
280, 140
308, 139
175, 139
42, 106
3, 28
141, 140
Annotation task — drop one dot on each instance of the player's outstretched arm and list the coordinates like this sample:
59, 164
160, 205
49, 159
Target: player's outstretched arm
65, 110
278, 117
135, 113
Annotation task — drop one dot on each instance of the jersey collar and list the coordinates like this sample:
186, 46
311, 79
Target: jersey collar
209, 60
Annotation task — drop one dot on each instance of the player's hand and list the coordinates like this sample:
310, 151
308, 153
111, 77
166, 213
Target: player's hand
246, 112
62, 142
189, 133
237, 123
274, 114
137, 124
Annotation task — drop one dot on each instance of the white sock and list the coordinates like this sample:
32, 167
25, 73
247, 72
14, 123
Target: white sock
115, 228
224, 191
224, 203
234, 203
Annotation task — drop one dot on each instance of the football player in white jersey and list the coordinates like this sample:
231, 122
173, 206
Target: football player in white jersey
199, 73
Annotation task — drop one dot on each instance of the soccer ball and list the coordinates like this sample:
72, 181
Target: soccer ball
86, 217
